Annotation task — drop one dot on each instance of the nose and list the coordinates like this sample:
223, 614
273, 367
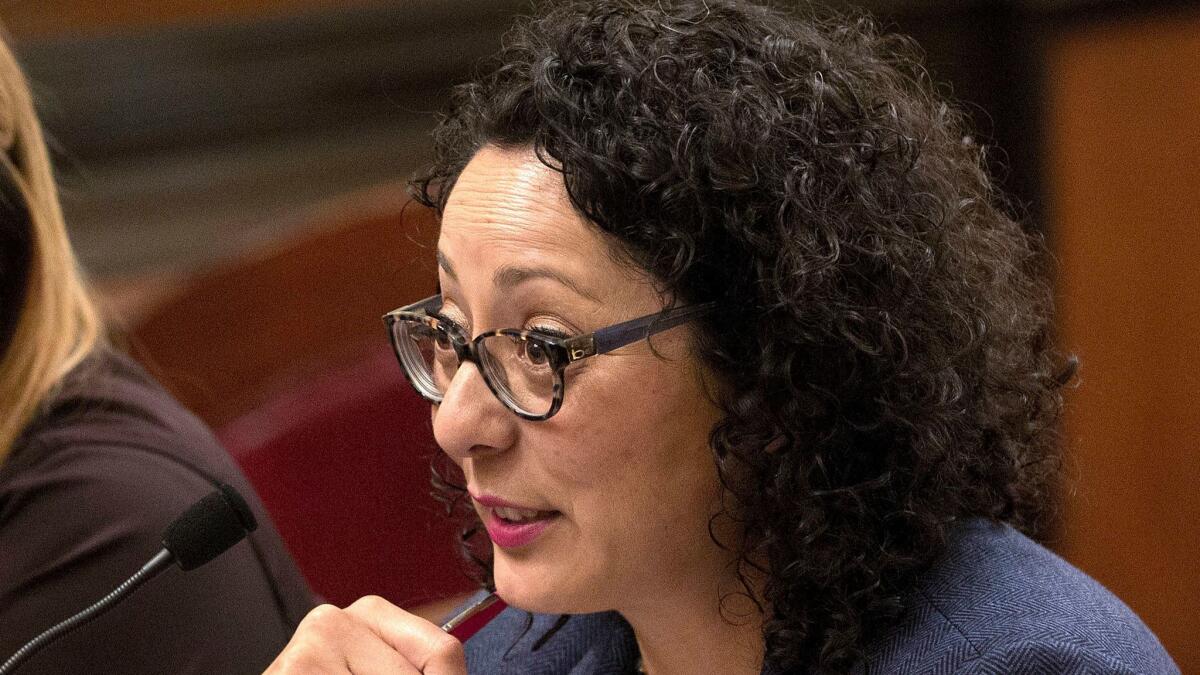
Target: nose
470, 420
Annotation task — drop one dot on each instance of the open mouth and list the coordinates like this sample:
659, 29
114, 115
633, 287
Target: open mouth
514, 528
516, 516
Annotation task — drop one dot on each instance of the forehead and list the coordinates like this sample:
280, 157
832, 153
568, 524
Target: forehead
508, 207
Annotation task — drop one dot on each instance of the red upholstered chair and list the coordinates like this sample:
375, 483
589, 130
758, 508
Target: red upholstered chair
284, 353
342, 461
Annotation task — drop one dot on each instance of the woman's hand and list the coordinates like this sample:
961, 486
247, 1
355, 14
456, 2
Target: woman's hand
370, 636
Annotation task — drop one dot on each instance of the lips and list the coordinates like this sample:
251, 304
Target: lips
510, 525
516, 515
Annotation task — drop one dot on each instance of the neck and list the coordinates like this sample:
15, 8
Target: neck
686, 632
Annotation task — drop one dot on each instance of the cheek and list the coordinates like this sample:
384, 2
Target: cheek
634, 451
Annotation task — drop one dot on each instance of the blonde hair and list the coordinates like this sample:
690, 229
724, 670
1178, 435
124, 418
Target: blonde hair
59, 323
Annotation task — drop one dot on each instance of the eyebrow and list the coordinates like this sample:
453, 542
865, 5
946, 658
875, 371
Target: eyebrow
509, 276
444, 263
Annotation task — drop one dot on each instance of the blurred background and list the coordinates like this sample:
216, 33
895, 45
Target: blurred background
233, 176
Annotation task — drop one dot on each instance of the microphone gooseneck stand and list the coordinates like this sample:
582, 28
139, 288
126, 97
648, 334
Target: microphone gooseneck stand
150, 570
206, 530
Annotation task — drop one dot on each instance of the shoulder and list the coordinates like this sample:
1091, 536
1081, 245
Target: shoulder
110, 400
541, 644
84, 503
112, 453
998, 602
113, 440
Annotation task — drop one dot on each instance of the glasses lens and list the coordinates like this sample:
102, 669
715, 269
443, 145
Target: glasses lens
427, 355
521, 370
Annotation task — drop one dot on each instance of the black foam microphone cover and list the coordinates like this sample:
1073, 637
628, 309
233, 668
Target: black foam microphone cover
209, 528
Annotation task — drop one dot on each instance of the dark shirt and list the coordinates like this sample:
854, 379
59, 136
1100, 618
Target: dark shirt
84, 499
995, 602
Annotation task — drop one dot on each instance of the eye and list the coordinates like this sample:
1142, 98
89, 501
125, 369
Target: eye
534, 352
537, 352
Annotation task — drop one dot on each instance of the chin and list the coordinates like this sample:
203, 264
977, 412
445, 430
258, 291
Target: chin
543, 589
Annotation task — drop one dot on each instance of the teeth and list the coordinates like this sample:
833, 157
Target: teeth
508, 513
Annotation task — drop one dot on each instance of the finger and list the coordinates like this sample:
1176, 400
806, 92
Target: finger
331, 640
370, 655
309, 650
373, 656
386, 662
425, 645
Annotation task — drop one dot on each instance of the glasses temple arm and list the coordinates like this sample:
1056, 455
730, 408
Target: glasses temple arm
613, 337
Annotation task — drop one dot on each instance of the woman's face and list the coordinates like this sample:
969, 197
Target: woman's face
621, 478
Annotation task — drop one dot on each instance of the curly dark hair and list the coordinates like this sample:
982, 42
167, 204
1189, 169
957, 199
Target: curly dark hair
885, 350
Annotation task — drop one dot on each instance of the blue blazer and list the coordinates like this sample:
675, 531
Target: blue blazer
995, 602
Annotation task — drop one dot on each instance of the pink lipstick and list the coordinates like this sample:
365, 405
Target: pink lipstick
509, 534
510, 525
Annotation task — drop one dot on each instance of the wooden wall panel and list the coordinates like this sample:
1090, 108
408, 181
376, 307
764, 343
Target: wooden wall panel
235, 337
49, 18
1123, 148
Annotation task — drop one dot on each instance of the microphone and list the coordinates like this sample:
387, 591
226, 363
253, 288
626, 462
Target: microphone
206, 530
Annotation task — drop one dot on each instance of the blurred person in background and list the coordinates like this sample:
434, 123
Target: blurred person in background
740, 365
96, 460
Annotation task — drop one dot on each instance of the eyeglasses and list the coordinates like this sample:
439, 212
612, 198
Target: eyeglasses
523, 368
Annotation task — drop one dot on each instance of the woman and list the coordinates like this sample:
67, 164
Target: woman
817, 445
96, 460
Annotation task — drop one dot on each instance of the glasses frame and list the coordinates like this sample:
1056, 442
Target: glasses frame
561, 352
